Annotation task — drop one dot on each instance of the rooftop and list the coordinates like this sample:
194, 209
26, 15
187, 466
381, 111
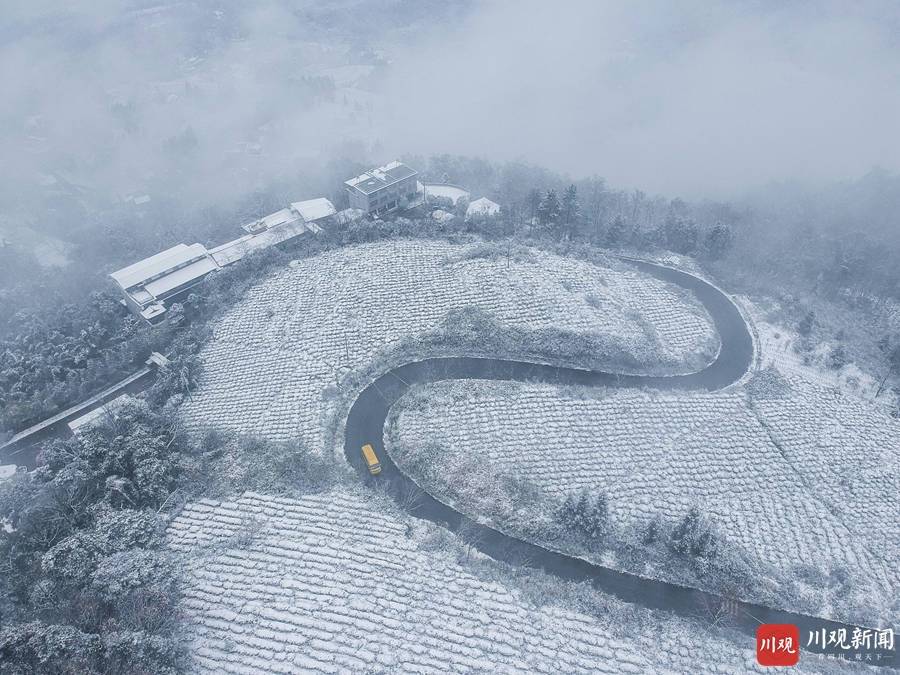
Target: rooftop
170, 281
383, 176
153, 311
144, 270
314, 209
451, 192
233, 251
483, 206
282, 217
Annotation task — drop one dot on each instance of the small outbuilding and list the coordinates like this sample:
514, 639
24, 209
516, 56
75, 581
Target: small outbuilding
482, 207
444, 190
313, 210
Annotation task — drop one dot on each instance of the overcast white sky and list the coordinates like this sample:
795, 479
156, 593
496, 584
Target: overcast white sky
692, 98
689, 98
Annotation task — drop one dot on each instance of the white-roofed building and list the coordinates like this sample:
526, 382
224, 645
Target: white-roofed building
383, 189
147, 268
149, 283
313, 210
232, 251
310, 212
452, 192
283, 217
278, 227
482, 207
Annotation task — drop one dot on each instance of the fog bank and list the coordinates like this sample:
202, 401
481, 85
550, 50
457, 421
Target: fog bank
689, 98
213, 100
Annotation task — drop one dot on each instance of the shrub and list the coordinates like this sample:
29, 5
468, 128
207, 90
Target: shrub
262, 465
806, 324
35, 647
838, 358
585, 518
694, 536
768, 384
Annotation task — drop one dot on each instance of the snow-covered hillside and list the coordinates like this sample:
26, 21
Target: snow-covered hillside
799, 475
299, 330
332, 583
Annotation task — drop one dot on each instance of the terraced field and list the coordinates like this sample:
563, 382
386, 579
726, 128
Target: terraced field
848, 454
332, 583
298, 331
280, 585
800, 476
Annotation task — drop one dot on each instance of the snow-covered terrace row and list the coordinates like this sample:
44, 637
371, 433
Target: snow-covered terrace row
328, 584
287, 340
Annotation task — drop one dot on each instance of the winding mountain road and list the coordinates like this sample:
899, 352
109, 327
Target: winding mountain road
366, 421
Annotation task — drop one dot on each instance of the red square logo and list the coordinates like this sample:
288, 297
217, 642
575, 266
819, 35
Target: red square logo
777, 644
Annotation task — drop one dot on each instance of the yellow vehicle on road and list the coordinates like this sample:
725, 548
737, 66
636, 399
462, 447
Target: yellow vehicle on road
371, 459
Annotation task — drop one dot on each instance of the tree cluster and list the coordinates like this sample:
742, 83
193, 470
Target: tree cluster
557, 216
586, 518
63, 356
695, 541
835, 247
84, 584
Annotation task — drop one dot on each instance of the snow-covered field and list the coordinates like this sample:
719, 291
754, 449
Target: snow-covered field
806, 475
332, 583
662, 454
48, 251
779, 349
839, 434
299, 330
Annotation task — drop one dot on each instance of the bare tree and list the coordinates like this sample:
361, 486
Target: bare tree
892, 354
408, 496
471, 534
718, 610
